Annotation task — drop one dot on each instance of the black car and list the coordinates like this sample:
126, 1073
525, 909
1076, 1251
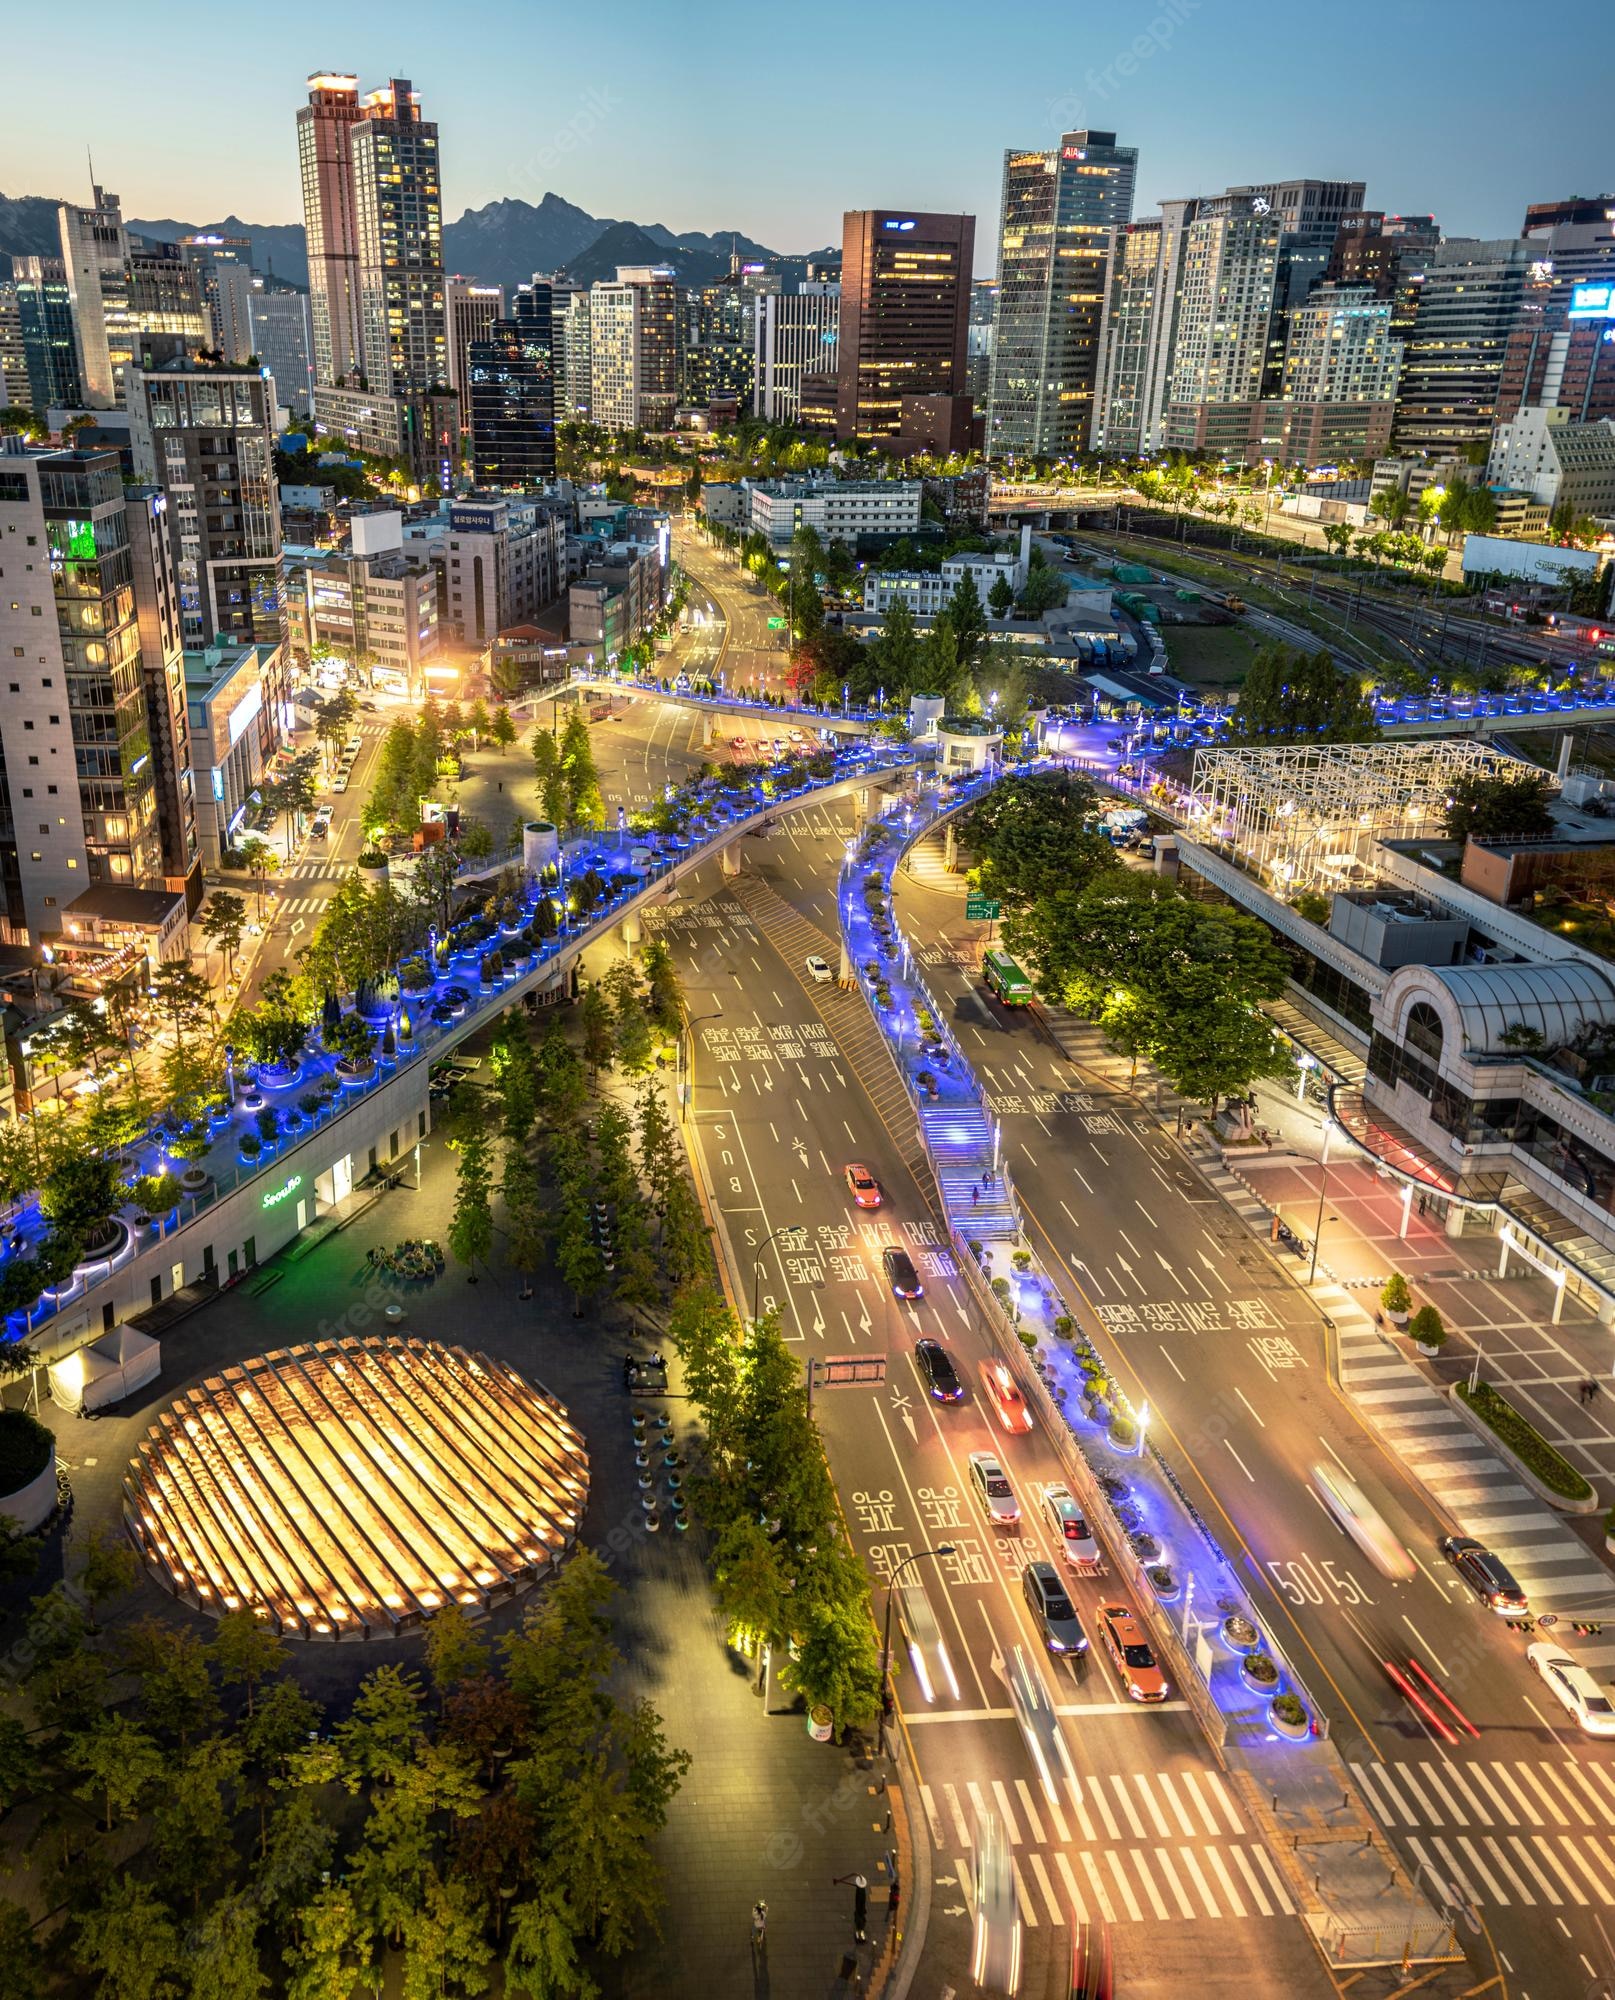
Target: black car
1487, 1576
1053, 1612
941, 1377
901, 1274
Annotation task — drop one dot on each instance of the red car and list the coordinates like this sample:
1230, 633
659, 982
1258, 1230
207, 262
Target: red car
1009, 1405
863, 1186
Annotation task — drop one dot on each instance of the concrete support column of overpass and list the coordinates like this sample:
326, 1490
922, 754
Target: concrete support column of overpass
729, 861
950, 847
631, 932
708, 731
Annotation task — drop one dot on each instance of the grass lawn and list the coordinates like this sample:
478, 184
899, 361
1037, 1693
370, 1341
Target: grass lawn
1209, 656
1593, 747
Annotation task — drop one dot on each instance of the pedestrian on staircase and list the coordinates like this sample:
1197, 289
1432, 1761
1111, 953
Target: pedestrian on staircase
975, 1193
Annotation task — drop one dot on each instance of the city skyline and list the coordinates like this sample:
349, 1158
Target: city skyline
614, 137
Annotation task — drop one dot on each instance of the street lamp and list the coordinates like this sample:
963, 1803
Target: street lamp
919, 1555
687, 1069
757, 1263
1323, 1183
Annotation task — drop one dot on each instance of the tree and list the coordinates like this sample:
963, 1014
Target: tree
1001, 598
666, 997
297, 1847
111, 1569
1480, 807
224, 1962
383, 1732
331, 1949
455, 1653
578, 1259
543, 1959
967, 618
183, 996
445, 1950
1289, 696
117, 1761
1031, 835
584, 803
131, 1941
526, 1219
22, 1962
599, 1037
191, 1820
261, 861
246, 1652
1045, 589
502, 729
224, 923
471, 1230
894, 657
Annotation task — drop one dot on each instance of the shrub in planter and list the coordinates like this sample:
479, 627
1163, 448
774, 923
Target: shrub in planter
492, 968
1001, 1292
1396, 1299
372, 857
1259, 1671
975, 1248
1021, 1259
251, 1146
1428, 1329
1162, 1581
1064, 1326
311, 1104
268, 1123
1028, 1339
25, 1448
414, 976
1123, 1433
1289, 1715
1144, 1545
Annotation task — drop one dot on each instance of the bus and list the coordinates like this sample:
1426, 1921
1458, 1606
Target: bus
1005, 979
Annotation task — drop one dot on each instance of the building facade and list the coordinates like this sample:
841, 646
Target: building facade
635, 336
498, 564
223, 267
840, 510
470, 310
1558, 462
905, 307
1470, 297
398, 205
279, 333
510, 395
162, 677
233, 696
330, 221
95, 257
49, 344
1060, 205
795, 334
373, 604
206, 435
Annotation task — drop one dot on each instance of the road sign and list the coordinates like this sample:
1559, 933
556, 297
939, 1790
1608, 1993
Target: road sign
842, 1371
776, 624
978, 910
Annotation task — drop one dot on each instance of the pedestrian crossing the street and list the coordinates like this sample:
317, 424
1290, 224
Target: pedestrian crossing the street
1503, 1832
1162, 1847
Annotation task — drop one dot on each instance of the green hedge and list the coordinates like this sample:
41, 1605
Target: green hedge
1526, 1442
24, 1449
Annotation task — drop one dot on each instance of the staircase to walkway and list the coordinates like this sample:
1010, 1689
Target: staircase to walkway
846, 1016
960, 1141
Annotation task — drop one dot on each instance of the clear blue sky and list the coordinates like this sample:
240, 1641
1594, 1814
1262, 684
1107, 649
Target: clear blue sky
710, 114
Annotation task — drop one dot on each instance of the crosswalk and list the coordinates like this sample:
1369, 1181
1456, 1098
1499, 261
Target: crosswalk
1503, 1832
1162, 1847
301, 906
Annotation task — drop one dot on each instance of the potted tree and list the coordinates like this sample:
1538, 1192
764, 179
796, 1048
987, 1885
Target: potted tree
1123, 1433
1260, 1673
1396, 1299
1288, 1715
1428, 1331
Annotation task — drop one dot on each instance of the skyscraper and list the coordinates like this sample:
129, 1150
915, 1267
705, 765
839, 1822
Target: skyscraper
399, 209
796, 334
279, 334
470, 311
14, 391
905, 304
325, 160
223, 266
634, 343
511, 391
95, 255
50, 349
1059, 206
165, 295
1471, 297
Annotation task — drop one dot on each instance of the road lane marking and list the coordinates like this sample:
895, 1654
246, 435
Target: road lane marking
1025, 1793
1124, 1800
1249, 1405
1106, 1909
1240, 1462
1176, 1370
1056, 1911
1122, 1883
1174, 1882
1165, 1782
1006, 1810
1078, 1907
1251, 1883
1220, 1867
1200, 1806
1425, 1643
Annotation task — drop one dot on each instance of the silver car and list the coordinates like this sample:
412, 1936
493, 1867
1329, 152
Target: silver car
1070, 1526
992, 1489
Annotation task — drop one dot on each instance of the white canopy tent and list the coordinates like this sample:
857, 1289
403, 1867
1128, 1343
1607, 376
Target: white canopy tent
106, 1371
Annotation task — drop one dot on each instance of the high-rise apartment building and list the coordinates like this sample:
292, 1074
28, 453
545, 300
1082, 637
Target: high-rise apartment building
1226, 282
223, 266
1470, 298
1059, 206
635, 336
80, 802
325, 160
905, 305
510, 395
95, 255
470, 310
796, 335
162, 680
399, 207
720, 337
279, 333
1134, 330
979, 342
49, 344
14, 391
205, 434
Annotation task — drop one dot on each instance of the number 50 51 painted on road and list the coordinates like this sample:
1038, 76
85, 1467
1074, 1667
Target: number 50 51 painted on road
1309, 1582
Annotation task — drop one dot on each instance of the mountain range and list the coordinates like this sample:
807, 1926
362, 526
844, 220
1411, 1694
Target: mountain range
503, 242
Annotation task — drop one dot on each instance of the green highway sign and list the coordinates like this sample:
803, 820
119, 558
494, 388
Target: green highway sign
775, 624
979, 911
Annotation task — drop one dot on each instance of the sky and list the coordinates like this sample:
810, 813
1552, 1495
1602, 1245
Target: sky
717, 115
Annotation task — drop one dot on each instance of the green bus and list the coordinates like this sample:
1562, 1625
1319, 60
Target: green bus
1005, 979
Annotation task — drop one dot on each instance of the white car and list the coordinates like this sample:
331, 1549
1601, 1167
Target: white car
1068, 1523
990, 1484
797, 736
1574, 1687
818, 969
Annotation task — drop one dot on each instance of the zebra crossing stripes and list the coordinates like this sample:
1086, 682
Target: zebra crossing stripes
301, 906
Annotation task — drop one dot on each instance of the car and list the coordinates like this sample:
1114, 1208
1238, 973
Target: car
341, 782
863, 1186
1131, 1653
990, 1484
1573, 1687
1003, 1392
995, 1940
779, 745
737, 743
1359, 1518
1486, 1575
900, 1273
1068, 1522
818, 969
797, 736
1052, 1611
941, 1377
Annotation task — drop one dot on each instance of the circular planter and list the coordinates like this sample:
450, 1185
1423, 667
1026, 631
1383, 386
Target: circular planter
1125, 1448
250, 1152
1398, 1320
278, 1076
1165, 1585
253, 1100
820, 1723
195, 1181
109, 1239
1429, 1349
1239, 1635
355, 1073
653, 1521
1260, 1679
1287, 1726
31, 1504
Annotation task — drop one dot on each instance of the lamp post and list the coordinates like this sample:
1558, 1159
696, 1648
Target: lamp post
1323, 1183
687, 1069
757, 1263
919, 1555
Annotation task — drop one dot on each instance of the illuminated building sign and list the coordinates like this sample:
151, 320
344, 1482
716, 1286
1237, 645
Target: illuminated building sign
1073, 153
892, 222
1593, 301
250, 705
284, 1192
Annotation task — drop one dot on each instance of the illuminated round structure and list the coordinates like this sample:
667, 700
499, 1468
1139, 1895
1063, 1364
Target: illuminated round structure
350, 1488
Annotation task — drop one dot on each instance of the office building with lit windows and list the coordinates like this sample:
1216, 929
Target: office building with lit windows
905, 306
510, 395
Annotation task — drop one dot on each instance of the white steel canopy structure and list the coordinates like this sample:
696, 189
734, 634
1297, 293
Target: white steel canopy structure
1308, 816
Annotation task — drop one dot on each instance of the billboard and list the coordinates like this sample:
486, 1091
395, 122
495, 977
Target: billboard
1593, 301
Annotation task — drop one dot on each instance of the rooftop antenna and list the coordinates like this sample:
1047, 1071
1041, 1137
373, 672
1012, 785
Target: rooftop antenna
90, 157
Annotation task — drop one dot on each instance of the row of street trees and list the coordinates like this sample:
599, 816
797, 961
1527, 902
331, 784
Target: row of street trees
200, 1825
1170, 980
569, 794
